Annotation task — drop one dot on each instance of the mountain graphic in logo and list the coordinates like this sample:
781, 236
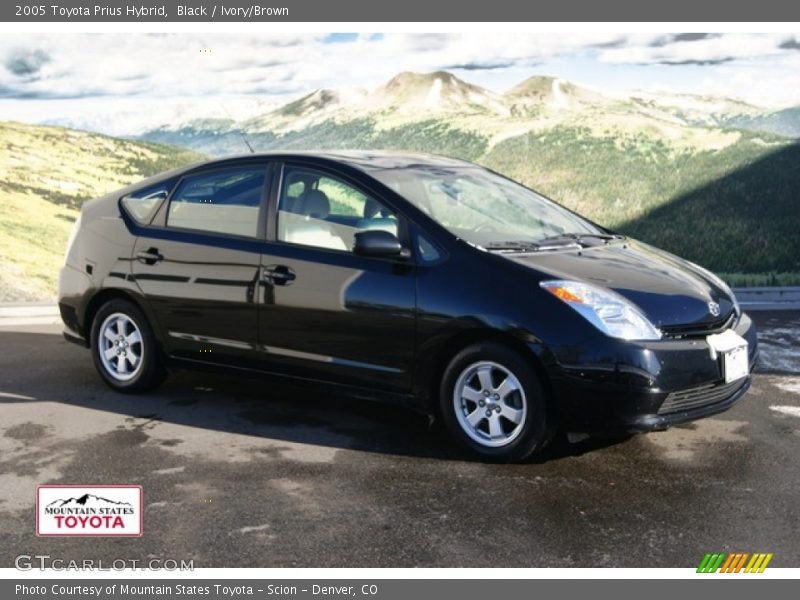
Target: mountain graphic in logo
87, 500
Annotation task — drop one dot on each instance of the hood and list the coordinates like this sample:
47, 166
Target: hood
671, 292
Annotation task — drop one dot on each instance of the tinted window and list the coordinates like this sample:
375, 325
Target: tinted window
142, 204
317, 209
225, 201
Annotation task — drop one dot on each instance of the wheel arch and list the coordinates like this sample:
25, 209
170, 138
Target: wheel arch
104, 296
431, 365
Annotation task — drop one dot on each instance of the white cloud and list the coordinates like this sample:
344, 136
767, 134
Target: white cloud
106, 70
86, 65
676, 50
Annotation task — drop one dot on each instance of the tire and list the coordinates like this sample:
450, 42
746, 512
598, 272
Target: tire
489, 378
124, 349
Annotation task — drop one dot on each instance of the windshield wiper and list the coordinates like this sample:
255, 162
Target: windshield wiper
554, 241
600, 236
577, 238
513, 246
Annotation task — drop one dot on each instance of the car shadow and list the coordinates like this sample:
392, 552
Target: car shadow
238, 404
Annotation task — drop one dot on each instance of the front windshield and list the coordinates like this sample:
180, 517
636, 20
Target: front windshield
481, 207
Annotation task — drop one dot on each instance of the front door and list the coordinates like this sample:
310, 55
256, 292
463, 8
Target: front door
325, 312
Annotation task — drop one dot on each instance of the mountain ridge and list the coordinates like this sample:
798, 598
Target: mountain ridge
85, 500
410, 96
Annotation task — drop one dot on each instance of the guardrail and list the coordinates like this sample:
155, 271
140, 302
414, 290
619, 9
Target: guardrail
28, 309
32, 313
769, 298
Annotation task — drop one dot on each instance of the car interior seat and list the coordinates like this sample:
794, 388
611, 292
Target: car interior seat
377, 217
308, 225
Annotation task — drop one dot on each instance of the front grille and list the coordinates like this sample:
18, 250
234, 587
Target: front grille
700, 329
699, 396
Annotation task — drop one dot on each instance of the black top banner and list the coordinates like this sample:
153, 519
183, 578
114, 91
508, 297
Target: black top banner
407, 11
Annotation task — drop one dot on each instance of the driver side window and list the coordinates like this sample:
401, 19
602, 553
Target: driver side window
320, 210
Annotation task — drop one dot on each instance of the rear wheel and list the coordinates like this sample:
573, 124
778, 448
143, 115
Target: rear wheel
492, 401
124, 348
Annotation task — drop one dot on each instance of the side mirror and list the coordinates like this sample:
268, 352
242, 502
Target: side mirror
379, 244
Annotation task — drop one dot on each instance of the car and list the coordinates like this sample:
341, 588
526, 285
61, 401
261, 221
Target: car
408, 278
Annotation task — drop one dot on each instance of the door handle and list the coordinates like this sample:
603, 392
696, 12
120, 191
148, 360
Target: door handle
278, 274
150, 256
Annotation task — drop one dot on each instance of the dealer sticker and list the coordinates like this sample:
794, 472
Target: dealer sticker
89, 510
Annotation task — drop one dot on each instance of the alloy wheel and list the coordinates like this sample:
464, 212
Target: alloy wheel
120, 347
490, 404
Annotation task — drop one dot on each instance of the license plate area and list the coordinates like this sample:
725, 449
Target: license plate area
731, 350
734, 364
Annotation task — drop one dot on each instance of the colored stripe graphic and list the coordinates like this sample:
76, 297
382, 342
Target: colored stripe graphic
758, 563
711, 562
730, 564
741, 562
751, 563
734, 563
765, 563
703, 563
710, 566
719, 561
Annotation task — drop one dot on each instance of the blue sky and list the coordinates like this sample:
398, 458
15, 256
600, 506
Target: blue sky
92, 77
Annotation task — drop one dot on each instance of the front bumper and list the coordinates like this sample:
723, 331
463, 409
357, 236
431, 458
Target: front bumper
612, 386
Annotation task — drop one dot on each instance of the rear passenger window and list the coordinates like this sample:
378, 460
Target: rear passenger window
225, 201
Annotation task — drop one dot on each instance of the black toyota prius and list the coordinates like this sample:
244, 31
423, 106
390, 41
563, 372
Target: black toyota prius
407, 278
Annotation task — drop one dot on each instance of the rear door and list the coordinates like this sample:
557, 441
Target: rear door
325, 312
198, 263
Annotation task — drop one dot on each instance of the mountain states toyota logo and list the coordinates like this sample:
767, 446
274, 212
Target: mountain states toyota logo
98, 510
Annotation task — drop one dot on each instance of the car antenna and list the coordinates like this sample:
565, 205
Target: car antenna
244, 139
241, 131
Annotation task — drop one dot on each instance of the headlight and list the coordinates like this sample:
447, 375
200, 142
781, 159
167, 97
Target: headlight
609, 312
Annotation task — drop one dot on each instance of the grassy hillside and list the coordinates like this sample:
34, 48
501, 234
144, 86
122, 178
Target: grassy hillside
46, 173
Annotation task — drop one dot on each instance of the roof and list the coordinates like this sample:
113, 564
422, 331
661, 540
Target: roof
384, 159
365, 160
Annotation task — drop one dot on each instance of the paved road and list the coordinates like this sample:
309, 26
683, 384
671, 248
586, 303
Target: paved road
239, 473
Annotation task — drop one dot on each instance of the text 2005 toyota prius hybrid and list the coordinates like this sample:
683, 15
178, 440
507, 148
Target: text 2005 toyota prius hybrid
409, 278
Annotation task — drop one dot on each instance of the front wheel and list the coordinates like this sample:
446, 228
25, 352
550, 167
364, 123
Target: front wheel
124, 349
492, 401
